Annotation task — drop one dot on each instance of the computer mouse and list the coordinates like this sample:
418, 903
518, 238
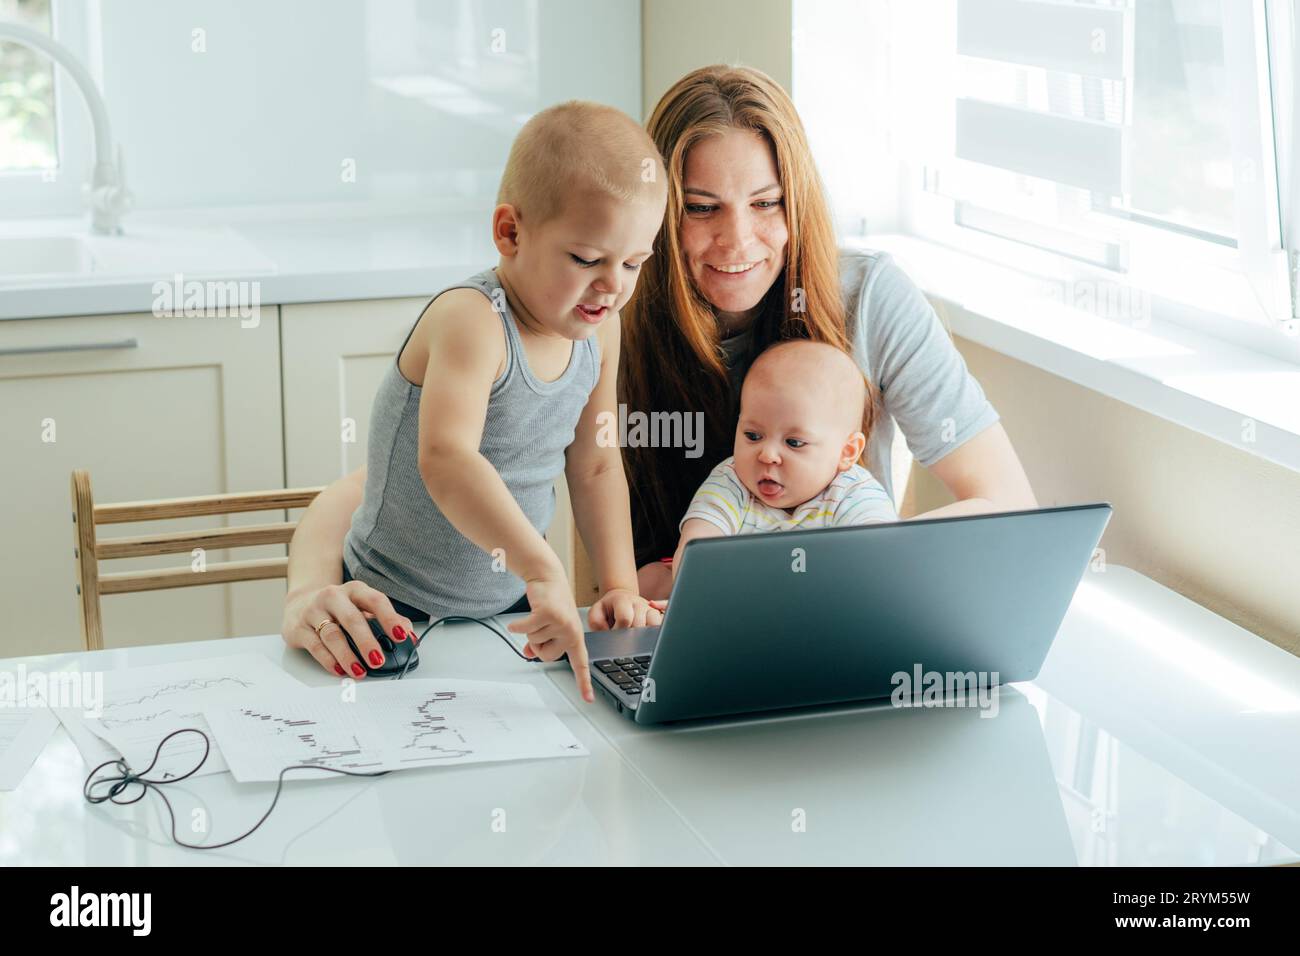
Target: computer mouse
396, 653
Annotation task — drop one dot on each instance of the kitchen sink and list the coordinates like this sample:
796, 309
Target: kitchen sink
34, 257
43, 255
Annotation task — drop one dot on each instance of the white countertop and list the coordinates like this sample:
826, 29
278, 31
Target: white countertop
298, 254
1156, 734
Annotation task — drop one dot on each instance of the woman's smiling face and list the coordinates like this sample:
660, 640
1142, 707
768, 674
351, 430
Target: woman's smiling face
733, 229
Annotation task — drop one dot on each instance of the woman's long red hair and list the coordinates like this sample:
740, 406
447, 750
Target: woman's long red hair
671, 356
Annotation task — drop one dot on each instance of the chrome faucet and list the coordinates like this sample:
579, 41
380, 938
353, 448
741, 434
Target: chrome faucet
109, 197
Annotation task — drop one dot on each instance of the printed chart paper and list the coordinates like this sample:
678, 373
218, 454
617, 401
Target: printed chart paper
393, 725
24, 732
142, 705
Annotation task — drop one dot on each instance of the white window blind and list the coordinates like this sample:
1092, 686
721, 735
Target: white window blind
1135, 137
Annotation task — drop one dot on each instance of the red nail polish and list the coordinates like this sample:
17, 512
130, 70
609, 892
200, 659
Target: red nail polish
376, 658
338, 670
356, 669
399, 633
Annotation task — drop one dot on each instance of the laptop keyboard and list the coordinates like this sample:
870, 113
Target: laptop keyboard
627, 672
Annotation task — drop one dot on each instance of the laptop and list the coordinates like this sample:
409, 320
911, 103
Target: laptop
834, 615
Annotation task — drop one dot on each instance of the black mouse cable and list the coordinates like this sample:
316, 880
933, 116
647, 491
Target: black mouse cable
126, 776
482, 622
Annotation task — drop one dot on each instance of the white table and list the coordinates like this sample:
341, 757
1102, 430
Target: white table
1157, 733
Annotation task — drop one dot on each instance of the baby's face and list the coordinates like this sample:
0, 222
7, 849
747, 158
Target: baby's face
579, 268
788, 444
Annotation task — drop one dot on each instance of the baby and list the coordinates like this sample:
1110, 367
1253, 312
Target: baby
797, 444
498, 390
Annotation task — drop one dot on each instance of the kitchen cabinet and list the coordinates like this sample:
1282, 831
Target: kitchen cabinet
152, 408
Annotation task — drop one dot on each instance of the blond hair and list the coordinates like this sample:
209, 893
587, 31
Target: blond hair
671, 354
574, 149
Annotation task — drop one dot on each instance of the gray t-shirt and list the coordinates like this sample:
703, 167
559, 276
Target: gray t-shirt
922, 381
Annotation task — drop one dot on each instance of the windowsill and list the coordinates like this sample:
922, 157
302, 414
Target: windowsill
1202, 383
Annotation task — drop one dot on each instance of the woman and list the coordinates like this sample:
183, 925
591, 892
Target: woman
747, 256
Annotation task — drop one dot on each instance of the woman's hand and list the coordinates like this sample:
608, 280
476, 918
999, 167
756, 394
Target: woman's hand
620, 607
346, 607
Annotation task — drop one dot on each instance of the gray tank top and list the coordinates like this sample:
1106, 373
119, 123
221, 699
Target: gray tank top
400, 542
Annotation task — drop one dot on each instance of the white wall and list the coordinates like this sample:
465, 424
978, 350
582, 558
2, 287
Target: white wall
424, 96
682, 35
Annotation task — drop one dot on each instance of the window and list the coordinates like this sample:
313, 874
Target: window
27, 123
1133, 141
45, 134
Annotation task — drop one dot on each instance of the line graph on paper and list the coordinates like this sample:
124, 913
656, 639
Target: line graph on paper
130, 709
142, 705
